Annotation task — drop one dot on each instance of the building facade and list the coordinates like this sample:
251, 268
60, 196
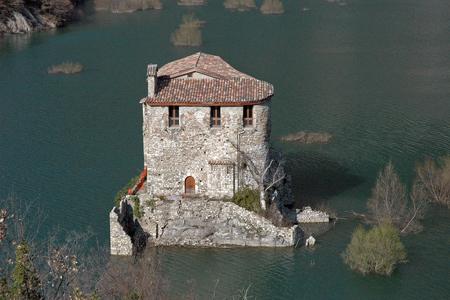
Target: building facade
203, 124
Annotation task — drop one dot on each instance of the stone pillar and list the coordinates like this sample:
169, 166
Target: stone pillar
120, 241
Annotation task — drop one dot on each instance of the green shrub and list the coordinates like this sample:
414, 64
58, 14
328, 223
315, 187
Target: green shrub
272, 7
137, 210
189, 33
248, 199
66, 68
378, 250
123, 192
26, 280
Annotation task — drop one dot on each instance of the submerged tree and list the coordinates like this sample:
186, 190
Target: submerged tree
378, 250
188, 34
240, 5
272, 7
391, 202
436, 179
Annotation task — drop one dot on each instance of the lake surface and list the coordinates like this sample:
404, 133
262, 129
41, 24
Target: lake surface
373, 74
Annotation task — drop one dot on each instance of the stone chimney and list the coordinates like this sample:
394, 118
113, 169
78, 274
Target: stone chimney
152, 79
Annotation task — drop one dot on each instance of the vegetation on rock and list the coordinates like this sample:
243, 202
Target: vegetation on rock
66, 68
137, 209
272, 7
378, 250
188, 34
240, 5
123, 192
248, 199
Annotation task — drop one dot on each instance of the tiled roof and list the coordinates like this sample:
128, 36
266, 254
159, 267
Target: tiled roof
201, 62
192, 91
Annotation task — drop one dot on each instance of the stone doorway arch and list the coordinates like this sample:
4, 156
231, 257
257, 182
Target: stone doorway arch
189, 185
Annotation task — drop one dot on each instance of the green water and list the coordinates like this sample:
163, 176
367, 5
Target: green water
373, 74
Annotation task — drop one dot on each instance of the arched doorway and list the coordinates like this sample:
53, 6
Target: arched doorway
189, 185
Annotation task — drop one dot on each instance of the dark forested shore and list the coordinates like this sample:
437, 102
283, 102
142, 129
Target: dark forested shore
27, 16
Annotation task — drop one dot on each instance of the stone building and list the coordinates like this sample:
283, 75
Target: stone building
206, 125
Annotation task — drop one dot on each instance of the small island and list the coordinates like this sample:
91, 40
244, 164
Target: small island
210, 176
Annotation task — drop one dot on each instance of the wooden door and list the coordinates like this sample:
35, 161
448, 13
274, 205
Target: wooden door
190, 185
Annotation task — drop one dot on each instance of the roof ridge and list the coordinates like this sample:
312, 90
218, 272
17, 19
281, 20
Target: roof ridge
198, 58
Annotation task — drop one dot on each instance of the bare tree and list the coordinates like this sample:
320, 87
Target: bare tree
135, 278
270, 174
60, 263
436, 179
390, 201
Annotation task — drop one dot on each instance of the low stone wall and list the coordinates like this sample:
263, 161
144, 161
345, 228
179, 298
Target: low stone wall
194, 222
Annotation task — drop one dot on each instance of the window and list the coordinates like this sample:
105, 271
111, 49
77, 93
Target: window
215, 116
189, 75
174, 116
248, 116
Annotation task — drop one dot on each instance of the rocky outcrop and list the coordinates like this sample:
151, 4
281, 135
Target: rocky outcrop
307, 215
28, 19
198, 222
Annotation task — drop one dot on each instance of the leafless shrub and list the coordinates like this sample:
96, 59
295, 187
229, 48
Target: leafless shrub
134, 278
188, 34
66, 68
240, 5
390, 202
124, 6
307, 138
192, 2
436, 179
272, 7
326, 208
102, 4
60, 264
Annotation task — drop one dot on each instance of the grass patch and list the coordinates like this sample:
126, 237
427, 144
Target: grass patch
188, 34
248, 199
378, 250
123, 192
66, 68
270, 7
137, 210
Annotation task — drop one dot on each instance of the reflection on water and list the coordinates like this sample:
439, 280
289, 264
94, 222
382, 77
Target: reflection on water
372, 74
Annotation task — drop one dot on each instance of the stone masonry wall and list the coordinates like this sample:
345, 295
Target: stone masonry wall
204, 223
198, 150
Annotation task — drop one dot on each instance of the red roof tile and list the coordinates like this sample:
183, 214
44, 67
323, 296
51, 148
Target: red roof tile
192, 91
204, 63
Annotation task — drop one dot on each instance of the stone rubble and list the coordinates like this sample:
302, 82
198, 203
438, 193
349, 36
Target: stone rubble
307, 215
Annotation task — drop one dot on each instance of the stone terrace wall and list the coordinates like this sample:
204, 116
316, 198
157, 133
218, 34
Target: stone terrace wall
203, 223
